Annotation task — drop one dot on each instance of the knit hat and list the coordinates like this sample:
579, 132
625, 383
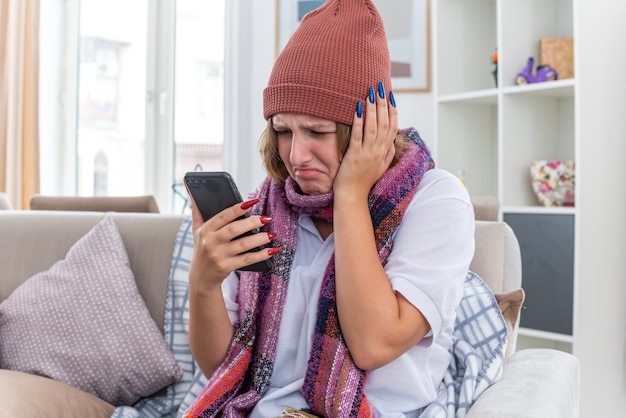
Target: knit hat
337, 52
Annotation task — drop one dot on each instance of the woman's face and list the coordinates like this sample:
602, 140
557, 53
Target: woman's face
308, 147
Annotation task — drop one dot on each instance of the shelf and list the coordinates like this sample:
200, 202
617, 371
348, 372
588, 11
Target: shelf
550, 89
489, 97
493, 133
545, 335
556, 210
555, 89
529, 339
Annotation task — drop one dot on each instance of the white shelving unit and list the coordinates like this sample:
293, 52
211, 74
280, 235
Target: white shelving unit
491, 133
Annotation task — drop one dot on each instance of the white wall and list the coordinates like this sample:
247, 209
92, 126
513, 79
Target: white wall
416, 110
600, 320
250, 55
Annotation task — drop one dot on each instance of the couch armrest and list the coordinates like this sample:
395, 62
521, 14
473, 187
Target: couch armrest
536, 382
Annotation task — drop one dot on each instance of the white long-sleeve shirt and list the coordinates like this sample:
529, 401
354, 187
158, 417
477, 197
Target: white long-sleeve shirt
432, 249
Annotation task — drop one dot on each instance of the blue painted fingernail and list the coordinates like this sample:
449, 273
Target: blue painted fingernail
381, 89
392, 99
359, 109
372, 95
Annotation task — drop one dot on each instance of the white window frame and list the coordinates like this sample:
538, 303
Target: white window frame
159, 151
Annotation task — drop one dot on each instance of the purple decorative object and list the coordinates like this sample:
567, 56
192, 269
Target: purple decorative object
544, 73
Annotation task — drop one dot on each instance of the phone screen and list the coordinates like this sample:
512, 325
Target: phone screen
214, 191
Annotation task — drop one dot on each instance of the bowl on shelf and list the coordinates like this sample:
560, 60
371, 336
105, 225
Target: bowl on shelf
553, 182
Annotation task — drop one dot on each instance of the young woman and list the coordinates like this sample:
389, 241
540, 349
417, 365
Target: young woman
370, 245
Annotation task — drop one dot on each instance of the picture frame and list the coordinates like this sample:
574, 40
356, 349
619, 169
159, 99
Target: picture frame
407, 23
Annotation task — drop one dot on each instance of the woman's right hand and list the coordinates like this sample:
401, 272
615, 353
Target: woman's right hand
216, 252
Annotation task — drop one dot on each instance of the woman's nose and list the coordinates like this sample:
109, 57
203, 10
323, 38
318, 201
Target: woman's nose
300, 152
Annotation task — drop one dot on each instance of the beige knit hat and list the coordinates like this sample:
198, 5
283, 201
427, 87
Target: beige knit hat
337, 52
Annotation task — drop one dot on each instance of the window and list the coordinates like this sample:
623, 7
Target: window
112, 83
199, 98
141, 88
100, 175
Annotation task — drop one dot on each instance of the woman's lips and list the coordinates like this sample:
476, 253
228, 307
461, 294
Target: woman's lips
307, 174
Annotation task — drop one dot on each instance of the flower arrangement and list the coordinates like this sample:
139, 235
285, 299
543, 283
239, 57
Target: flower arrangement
554, 181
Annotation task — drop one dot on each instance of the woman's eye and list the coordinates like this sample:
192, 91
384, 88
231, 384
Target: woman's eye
283, 133
317, 133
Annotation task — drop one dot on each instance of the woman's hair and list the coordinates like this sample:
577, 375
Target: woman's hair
274, 165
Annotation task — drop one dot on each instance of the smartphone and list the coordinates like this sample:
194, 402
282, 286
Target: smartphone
214, 191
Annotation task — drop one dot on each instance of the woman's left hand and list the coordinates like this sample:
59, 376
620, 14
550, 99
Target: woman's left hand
371, 147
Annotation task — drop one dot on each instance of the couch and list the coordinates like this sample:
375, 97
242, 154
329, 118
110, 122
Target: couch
535, 382
486, 208
145, 203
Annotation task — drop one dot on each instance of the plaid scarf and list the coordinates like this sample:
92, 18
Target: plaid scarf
333, 385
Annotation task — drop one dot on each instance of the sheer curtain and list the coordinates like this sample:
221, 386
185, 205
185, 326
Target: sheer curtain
19, 91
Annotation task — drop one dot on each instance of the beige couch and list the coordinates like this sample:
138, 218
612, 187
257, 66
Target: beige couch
145, 203
535, 382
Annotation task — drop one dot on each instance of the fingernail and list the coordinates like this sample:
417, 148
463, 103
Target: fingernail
392, 99
272, 251
249, 203
372, 95
271, 235
381, 89
266, 219
359, 109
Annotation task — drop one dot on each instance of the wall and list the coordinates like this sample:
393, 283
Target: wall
250, 55
600, 320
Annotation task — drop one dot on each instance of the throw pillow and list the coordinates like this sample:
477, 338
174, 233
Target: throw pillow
184, 392
27, 395
84, 323
510, 304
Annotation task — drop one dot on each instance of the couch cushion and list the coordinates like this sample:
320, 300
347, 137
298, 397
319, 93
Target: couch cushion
497, 258
537, 382
83, 322
26, 395
95, 203
486, 208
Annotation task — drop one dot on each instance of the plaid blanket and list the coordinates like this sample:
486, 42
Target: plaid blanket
477, 353
476, 357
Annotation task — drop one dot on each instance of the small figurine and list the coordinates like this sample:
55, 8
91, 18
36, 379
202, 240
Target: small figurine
544, 73
494, 66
